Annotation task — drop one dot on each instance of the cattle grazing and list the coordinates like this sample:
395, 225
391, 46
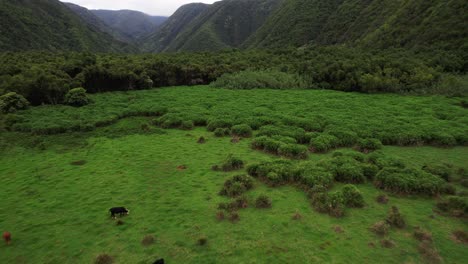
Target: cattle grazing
7, 237
118, 211
159, 261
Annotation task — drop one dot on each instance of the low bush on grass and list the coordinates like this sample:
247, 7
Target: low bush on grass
187, 125
220, 215
346, 138
323, 143
201, 140
381, 160
352, 196
422, 235
454, 205
382, 199
345, 169
330, 203
259, 79
219, 123
386, 243
282, 168
429, 252
234, 217
311, 175
263, 201
148, 240
76, 97
293, 151
12, 102
409, 181
460, 236
237, 185
381, 228
221, 132
445, 171
242, 130
395, 218
202, 241
232, 163
368, 145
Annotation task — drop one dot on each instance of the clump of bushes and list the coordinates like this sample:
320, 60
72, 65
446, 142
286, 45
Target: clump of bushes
345, 169
454, 205
237, 185
242, 130
275, 173
232, 163
293, 151
281, 145
187, 125
422, 235
312, 175
263, 201
395, 218
12, 102
259, 80
323, 143
219, 123
368, 145
76, 97
330, 203
352, 196
382, 199
381, 228
409, 181
221, 132
444, 171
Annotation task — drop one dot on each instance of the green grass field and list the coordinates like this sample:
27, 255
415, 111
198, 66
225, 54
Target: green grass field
57, 212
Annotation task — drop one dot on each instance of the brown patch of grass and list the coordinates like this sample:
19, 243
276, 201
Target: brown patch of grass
104, 259
422, 235
148, 240
297, 216
381, 228
371, 244
220, 215
202, 241
234, 217
460, 236
181, 167
235, 139
338, 229
119, 222
429, 253
382, 199
78, 162
386, 243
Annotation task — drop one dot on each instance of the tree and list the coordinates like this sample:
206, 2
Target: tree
11, 102
76, 97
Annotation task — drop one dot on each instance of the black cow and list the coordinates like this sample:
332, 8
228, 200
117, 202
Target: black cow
119, 210
159, 261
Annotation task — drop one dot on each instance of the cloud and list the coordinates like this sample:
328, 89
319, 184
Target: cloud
152, 7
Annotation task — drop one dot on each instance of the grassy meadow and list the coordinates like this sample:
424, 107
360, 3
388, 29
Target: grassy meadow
62, 168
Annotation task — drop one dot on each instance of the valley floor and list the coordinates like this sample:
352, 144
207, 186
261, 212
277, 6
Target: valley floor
57, 189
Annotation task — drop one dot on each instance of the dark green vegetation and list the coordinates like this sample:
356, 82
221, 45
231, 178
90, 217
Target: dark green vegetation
49, 25
57, 187
222, 25
46, 77
369, 23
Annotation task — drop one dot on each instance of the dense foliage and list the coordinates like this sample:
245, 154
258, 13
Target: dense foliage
12, 102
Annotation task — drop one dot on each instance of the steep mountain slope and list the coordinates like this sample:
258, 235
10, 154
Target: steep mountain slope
89, 17
131, 24
49, 25
224, 24
367, 23
167, 32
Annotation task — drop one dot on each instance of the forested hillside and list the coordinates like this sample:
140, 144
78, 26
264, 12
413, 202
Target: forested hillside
368, 23
49, 25
133, 25
225, 24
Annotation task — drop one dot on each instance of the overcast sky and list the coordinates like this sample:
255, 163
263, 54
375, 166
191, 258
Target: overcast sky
152, 7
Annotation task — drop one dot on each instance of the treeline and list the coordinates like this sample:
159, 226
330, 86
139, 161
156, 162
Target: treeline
45, 78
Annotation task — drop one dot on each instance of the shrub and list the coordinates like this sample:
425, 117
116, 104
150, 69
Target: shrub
201, 140
386, 243
464, 183
429, 253
234, 217
259, 79
241, 130
369, 171
395, 219
232, 163
104, 259
454, 205
311, 175
345, 138
336, 204
382, 161
408, 181
444, 171
220, 215
352, 196
281, 170
187, 125
323, 143
323, 202
218, 123
293, 151
263, 201
296, 216
12, 102
368, 145
237, 185
381, 228
221, 132
350, 173
76, 97
461, 236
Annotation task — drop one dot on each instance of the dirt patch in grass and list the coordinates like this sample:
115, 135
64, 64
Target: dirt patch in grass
104, 259
386, 243
148, 240
460, 236
181, 167
78, 162
338, 229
